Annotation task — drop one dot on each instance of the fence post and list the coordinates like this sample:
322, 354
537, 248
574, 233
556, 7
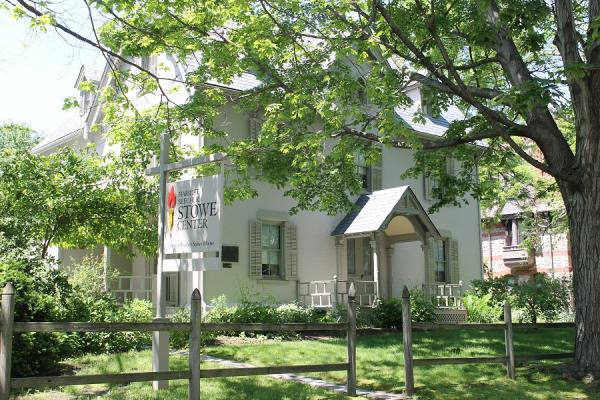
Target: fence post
508, 339
351, 376
6, 338
407, 341
194, 356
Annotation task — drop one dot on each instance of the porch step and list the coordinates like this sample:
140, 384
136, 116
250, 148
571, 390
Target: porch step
450, 315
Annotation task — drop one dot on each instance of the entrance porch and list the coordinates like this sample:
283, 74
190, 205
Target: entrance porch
388, 241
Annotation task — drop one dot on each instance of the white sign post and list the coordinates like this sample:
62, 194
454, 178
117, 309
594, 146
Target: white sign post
160, 339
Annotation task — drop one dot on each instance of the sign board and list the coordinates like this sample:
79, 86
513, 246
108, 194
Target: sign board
193, 224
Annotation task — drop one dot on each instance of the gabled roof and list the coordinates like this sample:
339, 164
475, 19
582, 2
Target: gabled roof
71, 126
373, 212
242, 82
436, 126
88, 73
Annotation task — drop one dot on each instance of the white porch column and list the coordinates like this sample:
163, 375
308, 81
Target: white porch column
375, 249
389, 276
339, 259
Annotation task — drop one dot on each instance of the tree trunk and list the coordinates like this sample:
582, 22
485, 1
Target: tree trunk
583, 208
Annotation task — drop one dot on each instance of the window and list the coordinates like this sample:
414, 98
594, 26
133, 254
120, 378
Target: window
440, 254
363, 171
369, 175
359, 257
432, 188
271, 250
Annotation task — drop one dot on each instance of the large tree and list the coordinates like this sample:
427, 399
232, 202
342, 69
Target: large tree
510, 65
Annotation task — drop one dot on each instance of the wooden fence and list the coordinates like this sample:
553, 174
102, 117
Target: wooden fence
8, 327
509, 358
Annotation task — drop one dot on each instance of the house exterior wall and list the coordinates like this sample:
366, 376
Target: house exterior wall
552, 257
318, 256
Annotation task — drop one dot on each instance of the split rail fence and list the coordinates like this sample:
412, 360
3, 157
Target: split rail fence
509, 358
8, 327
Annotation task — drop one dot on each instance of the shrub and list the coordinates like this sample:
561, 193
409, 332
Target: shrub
42, 294
481, 308
181, 340
388, 312
421, 306
541, 297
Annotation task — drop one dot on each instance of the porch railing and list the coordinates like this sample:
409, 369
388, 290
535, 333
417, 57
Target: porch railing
328, 293
129, 287
445, 295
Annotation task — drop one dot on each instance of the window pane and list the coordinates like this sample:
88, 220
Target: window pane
367, 258
274, 237
265, 257
274, 257
264, 235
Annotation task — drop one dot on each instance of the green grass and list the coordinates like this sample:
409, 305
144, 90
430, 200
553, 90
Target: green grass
246, 388
379, 363
379, 367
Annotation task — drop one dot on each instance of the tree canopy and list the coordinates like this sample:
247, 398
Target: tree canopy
514, 67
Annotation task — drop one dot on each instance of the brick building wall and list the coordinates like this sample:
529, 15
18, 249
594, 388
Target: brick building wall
553, 254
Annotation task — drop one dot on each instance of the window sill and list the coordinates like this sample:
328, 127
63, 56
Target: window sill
273, 280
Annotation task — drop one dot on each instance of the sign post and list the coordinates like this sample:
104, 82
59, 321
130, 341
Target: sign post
190, 217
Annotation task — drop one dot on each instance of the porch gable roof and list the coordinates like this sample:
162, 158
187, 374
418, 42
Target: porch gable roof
373, 212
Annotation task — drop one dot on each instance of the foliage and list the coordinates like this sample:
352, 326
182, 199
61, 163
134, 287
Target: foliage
498, 288
70, 199
43, 292
181, 340
541, 296
88, 275
17, 138
481, 308
388, 312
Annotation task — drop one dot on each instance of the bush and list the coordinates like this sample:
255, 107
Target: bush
42, 293
481, 308
181, 340
421, 306
541, 296
388, 312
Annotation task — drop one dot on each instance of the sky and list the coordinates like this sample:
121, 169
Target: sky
37, 71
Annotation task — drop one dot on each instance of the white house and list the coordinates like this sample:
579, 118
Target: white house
389, 242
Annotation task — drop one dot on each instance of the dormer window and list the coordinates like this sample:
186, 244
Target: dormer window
425, 108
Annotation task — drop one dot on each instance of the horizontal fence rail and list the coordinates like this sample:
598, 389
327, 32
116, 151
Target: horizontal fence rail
123, 378
26, 327
8, 327
508, 359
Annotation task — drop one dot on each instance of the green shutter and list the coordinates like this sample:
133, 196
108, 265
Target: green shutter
454, 264
290, 238
377, 171
255, 261
253, 127
429, 262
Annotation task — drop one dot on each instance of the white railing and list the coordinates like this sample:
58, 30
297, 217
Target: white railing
328, 293
446, 295
129, 287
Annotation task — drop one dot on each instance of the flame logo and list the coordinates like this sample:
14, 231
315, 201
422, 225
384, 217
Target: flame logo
171, 201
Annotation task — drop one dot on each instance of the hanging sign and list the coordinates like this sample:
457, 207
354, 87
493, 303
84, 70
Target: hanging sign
193, 224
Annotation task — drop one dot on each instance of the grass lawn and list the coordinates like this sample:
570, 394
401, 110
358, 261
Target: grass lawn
259, 388
379, 361
379, 367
